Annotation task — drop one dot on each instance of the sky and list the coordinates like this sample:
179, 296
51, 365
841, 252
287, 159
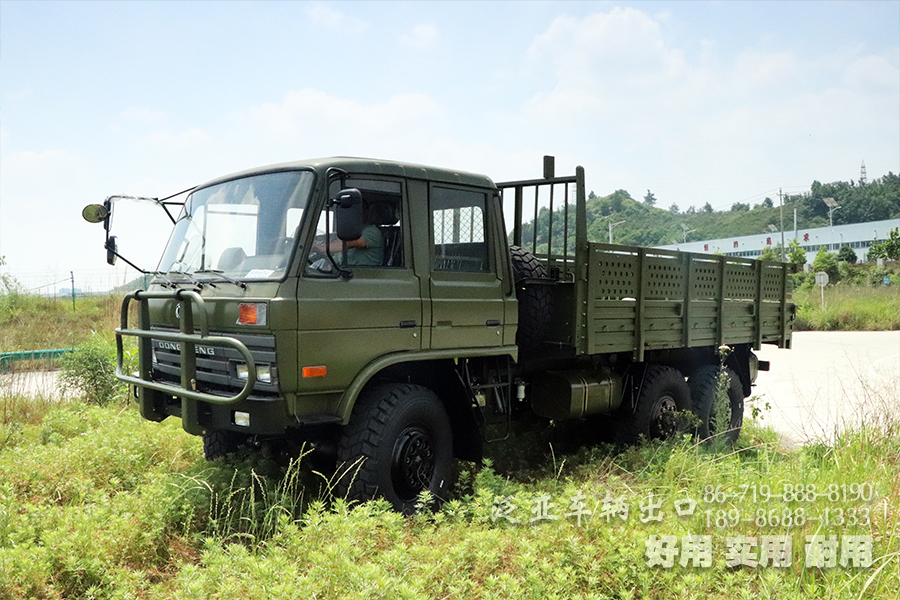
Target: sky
698, 102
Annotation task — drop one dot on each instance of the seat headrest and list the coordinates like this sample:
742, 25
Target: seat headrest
383, 212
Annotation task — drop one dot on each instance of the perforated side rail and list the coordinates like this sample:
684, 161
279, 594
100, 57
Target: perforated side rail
645, 299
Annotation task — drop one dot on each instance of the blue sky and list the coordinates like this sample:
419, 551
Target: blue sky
699, 102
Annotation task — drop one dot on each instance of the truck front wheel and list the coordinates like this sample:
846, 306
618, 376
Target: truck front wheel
663, 395
398, 444
217, 444
723, 418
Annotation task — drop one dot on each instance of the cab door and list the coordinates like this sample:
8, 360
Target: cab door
347, 322
467, 298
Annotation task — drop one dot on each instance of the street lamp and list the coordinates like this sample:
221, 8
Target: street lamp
686, 231
611, 225
832, 206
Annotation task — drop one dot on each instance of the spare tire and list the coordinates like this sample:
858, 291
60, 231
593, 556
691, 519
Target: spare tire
535, 300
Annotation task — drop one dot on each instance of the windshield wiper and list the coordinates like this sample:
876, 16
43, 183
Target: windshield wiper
161, 279
219, 273
190, 279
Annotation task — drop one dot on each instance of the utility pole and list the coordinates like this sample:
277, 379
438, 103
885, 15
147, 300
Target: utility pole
686, 231
72, 278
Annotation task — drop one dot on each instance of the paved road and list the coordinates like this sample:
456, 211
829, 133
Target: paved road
33, 383
829, 381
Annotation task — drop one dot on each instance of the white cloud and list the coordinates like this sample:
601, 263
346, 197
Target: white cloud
22, 94
622, 47
420, 37
314, 115
324, 14
873, 74
187, 140
142, 113
618, 89
765, 69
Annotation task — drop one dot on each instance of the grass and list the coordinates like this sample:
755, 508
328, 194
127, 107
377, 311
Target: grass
848, 308
35, 323
96, 503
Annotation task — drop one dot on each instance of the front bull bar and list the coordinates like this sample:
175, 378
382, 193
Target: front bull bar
148, 390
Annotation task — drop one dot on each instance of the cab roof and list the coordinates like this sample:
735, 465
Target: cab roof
366, 166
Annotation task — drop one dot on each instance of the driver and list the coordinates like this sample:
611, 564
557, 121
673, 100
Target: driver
365, 251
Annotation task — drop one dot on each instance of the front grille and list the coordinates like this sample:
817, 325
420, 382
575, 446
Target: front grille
216, 365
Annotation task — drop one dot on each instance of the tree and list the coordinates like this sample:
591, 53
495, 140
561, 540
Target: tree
740, 207
707, 208
9, 285
673, 209
847, 255
889, 248
649, 199
769, 253
796, 253
767, 203
828, 262
692, 210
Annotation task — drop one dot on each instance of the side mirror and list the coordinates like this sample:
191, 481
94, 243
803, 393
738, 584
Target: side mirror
349, 215
112, 250
95, 213
98, 213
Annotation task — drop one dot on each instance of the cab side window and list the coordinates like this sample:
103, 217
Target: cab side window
458, 230
382, 227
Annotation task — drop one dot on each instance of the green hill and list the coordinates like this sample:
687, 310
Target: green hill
640, 224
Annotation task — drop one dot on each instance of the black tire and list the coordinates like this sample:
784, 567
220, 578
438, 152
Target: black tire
398, 443
704, 384
535, 301
656, 414
217, 444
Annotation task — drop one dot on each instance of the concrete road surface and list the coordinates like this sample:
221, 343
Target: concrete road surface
31, 383
829, 381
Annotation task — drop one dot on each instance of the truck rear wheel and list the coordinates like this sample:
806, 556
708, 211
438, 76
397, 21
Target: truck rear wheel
398, 444
535, 301
662, 397
704, 386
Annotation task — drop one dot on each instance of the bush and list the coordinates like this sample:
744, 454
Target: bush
828, 262
846, 254
90, 368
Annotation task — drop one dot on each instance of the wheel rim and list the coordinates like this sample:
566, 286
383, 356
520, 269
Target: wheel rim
664, 421
412, 463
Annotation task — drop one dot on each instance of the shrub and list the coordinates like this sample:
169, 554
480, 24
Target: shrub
90, 368
846, 254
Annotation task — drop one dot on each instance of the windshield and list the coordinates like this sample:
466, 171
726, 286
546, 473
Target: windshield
243, 228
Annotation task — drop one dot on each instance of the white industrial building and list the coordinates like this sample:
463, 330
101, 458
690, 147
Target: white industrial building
858, 236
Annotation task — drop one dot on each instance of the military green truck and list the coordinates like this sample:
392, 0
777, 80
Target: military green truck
383, 312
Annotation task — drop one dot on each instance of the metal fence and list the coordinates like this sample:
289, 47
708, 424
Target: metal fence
61, 284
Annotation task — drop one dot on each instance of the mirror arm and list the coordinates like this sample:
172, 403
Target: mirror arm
163, 202
336, 172
128, 262
165, 206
